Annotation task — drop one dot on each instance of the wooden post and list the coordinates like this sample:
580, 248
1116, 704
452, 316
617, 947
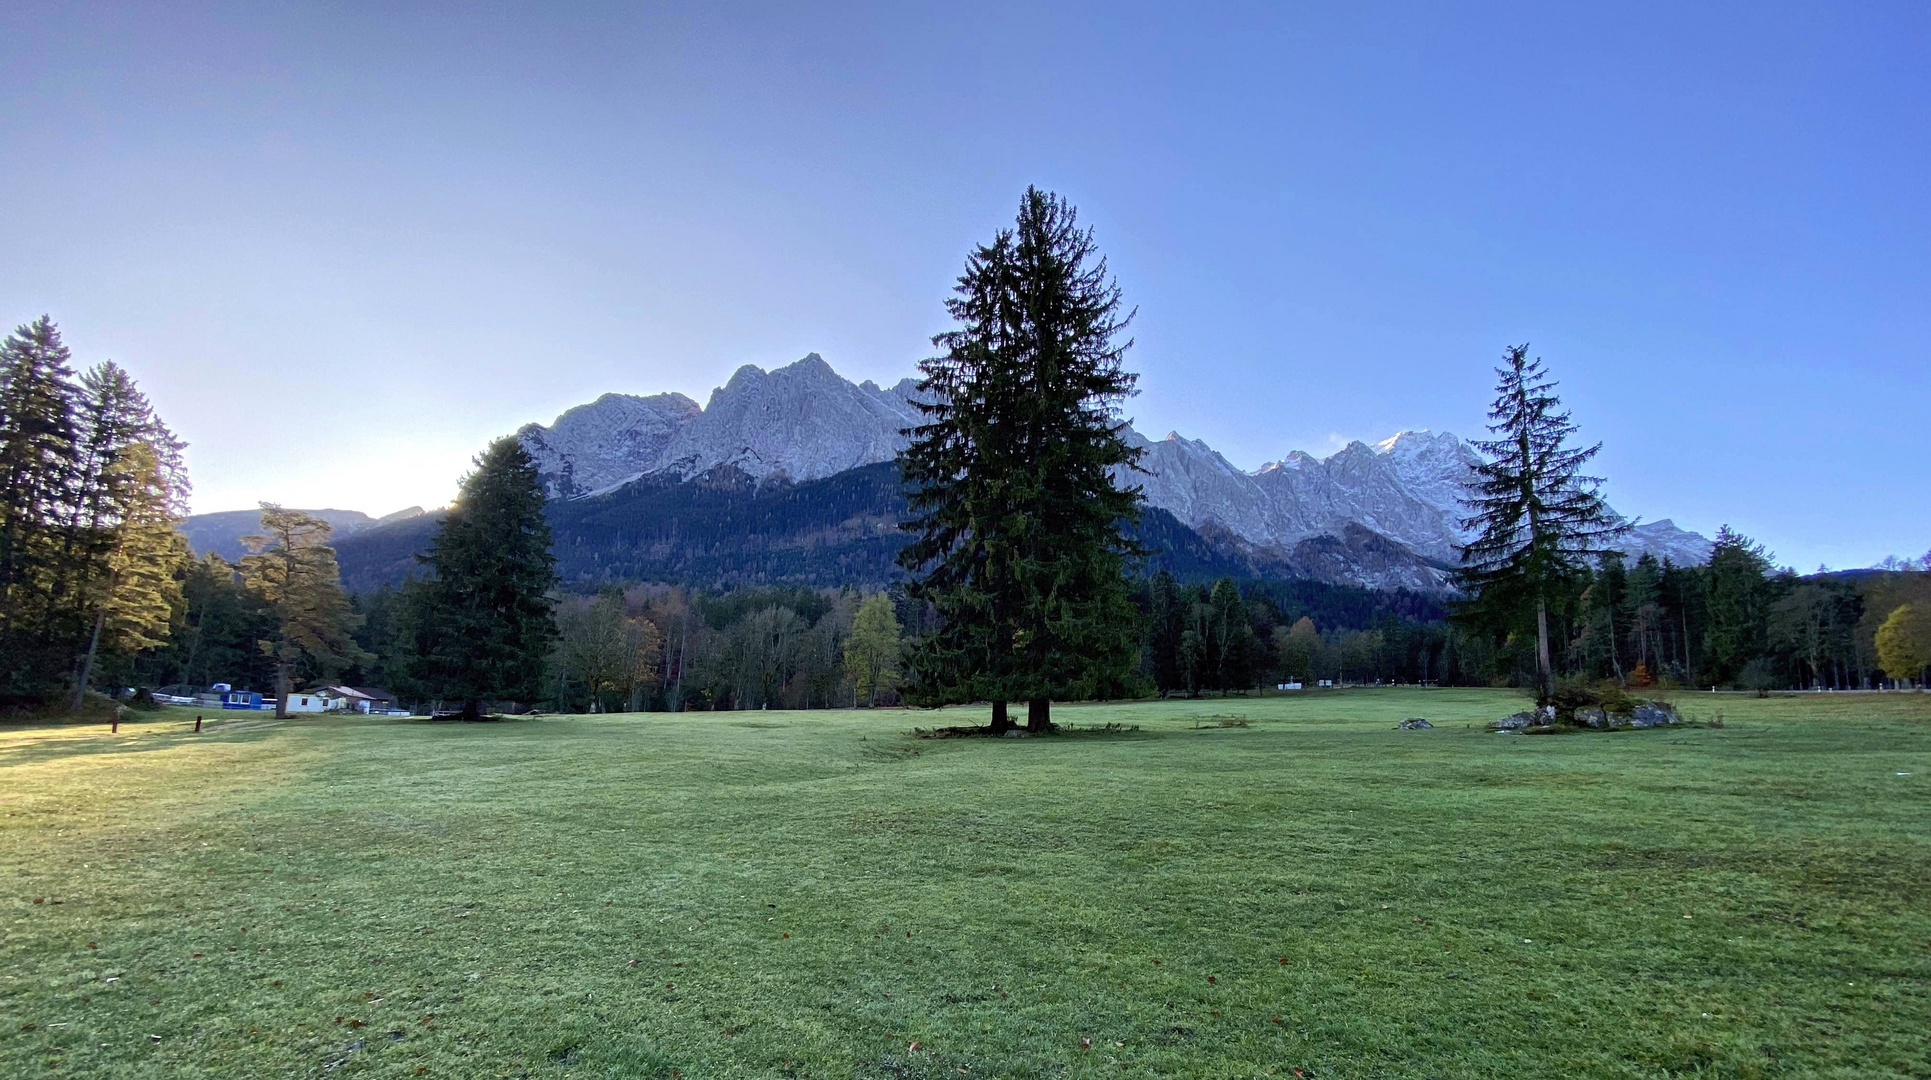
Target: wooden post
114, 725
197, 725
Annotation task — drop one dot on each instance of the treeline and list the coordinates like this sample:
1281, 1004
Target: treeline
1233, 637
670, 648
91, 486
1736, 622
657, 647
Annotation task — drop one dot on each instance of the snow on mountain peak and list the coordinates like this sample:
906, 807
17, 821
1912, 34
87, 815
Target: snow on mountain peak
804, 421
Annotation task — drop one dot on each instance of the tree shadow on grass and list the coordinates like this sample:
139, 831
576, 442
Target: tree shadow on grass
1056, 731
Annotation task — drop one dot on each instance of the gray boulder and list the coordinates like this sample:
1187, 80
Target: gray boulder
1650, 714
1414, 723
1515, 722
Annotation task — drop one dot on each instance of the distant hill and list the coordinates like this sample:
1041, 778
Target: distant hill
221, 532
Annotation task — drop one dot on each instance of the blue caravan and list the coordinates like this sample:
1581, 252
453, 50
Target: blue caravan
240, 699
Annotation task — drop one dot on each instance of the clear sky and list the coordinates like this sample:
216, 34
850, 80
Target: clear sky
344, 245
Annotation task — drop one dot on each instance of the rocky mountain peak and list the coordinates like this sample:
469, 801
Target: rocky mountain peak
804, 421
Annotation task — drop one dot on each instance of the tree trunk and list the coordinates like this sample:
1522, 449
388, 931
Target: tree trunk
1039, 715
87, 665
281, 691
472, 710
677, 695
1542, 649
1001, 721
1689, 671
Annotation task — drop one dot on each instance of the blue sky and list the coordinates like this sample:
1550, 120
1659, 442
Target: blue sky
344, 245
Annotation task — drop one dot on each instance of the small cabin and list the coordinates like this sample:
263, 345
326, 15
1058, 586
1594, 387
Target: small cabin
240, 699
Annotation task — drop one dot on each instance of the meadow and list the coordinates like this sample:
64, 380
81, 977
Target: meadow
772, 894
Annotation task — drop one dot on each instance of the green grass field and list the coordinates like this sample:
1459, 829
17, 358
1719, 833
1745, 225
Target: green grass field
820, 894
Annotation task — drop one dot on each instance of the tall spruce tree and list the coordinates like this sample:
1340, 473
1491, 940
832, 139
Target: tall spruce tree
37, 456
118, 544
292, 569
1017, 519
137, 595
1737, 599
481, 628
1537, 518
1167, 621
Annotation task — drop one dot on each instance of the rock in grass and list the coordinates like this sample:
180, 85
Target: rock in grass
1646, 715
1652, 714
1414, 723
1514, 722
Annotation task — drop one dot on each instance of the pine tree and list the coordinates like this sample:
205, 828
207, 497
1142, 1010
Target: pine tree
1737, 604
484, 623
111, 417
292, 569
1010, 481
37, 456
1167, 622
872, 650
119, 551
1537, 518
138, 596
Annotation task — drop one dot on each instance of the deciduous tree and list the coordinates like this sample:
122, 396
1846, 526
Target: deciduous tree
1904, 643
872, 650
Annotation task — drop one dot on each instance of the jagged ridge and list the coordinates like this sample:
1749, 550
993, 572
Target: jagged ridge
806, 422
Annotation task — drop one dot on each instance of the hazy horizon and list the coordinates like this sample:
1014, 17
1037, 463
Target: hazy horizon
413, 230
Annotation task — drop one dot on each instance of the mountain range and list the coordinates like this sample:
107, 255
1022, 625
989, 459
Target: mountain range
805, 422
783, 476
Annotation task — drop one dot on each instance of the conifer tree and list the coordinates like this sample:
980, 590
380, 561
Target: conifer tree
1537, 518
292, 568
1010, 480
483, 625
37, 453
111, 416
1736, 604
1167, 622
138, 595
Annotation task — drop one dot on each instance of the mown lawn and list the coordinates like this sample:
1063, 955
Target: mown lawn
819, 894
